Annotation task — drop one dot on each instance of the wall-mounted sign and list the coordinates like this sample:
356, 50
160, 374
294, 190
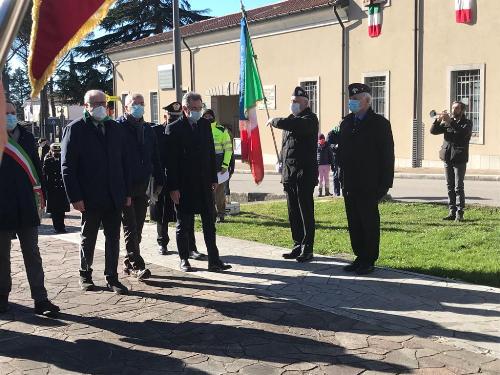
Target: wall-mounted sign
270, 94
166, 77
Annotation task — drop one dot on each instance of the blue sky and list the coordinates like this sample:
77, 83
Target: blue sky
223, 7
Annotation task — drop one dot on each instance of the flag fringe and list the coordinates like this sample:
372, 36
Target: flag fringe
38, 84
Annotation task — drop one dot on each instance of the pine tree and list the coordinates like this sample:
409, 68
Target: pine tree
19, 89
130, 20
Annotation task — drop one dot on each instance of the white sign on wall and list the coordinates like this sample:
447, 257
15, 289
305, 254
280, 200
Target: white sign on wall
270, 94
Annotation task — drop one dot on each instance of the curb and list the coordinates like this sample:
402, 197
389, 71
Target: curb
410, 176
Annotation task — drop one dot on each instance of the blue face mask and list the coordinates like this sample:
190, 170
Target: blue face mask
194, 116
11, 122
137, 111
354, 105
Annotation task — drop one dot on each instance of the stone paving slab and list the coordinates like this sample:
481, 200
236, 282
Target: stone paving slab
202, 323
457, 313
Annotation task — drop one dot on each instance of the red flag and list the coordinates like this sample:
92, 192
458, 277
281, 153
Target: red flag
59, 26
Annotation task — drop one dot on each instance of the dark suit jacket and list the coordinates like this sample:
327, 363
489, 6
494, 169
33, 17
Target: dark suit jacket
455, 148
190, 164
18, 208
94, 167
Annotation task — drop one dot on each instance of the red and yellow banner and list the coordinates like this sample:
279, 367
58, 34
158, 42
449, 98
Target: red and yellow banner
58, 26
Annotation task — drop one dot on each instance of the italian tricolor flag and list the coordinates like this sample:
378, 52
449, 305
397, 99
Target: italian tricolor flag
463, 11
374, 20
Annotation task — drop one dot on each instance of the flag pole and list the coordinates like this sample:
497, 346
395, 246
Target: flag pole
244, 13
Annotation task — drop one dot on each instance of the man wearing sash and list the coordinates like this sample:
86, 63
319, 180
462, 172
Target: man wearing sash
21, 200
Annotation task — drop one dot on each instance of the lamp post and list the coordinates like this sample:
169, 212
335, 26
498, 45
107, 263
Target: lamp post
177, 51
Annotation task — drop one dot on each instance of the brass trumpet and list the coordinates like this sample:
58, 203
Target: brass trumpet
434, 114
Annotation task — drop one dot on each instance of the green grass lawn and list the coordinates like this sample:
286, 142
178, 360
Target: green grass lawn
414, 237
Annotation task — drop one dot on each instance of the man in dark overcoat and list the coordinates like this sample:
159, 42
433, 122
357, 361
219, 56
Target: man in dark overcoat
191, 178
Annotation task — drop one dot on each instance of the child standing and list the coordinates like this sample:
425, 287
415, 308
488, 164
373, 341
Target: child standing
325, 162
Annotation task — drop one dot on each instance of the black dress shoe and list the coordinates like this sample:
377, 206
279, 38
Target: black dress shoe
162, 250
114, 285
365, 269
353, 266
141, 274
451, 216
195, 255
294, 253
305, 257
4, 304
46, 308
219, 267
86, 284
185, 266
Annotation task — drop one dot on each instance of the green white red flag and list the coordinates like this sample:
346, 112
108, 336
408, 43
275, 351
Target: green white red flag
250, 93
374, 20
463, 11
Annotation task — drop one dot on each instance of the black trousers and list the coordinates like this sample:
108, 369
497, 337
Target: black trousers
58, 220
363, 219
133, 218
111, 221
300, 203
28, 238
185, 235
162, 234
455, 175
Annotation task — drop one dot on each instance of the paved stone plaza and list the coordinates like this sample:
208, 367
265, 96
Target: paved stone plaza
266, 316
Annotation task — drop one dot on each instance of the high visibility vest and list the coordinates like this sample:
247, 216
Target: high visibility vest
222, 143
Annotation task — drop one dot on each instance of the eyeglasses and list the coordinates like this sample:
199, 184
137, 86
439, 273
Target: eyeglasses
198, 109
97, 104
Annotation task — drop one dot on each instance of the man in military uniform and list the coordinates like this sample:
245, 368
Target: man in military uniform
191, 178
161, 208
366, 158
300, 172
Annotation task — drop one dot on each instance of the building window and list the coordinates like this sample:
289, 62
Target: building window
153, 102
378, 84
311, 88
466, 87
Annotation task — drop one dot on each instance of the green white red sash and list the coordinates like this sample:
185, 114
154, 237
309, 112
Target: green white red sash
16, 152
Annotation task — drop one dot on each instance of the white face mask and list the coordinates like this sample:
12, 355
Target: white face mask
98, 113
295, 108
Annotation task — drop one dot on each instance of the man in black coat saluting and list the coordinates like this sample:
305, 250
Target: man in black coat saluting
94, 169
366, 158
191, 178
300, 172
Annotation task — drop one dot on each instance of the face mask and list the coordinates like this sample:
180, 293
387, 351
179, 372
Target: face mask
11, 122
209, 119
137, 111
194, 116
295, 108
98, 113
354, 105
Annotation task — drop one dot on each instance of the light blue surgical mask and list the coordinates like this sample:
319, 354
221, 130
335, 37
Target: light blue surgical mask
194, 116
295, 108
354, 105
11, 122
137, 111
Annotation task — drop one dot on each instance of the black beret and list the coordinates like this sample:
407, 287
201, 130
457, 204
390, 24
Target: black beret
358, 88
299, 91
210, 112
174, 108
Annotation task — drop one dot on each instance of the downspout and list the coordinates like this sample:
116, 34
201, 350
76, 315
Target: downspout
344, 55
416, 91
191, 64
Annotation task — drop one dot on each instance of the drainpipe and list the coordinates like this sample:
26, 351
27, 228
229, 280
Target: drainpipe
417, 141
344, 64
191, 64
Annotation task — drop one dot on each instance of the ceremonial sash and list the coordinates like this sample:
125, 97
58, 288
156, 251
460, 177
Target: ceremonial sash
16, 152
